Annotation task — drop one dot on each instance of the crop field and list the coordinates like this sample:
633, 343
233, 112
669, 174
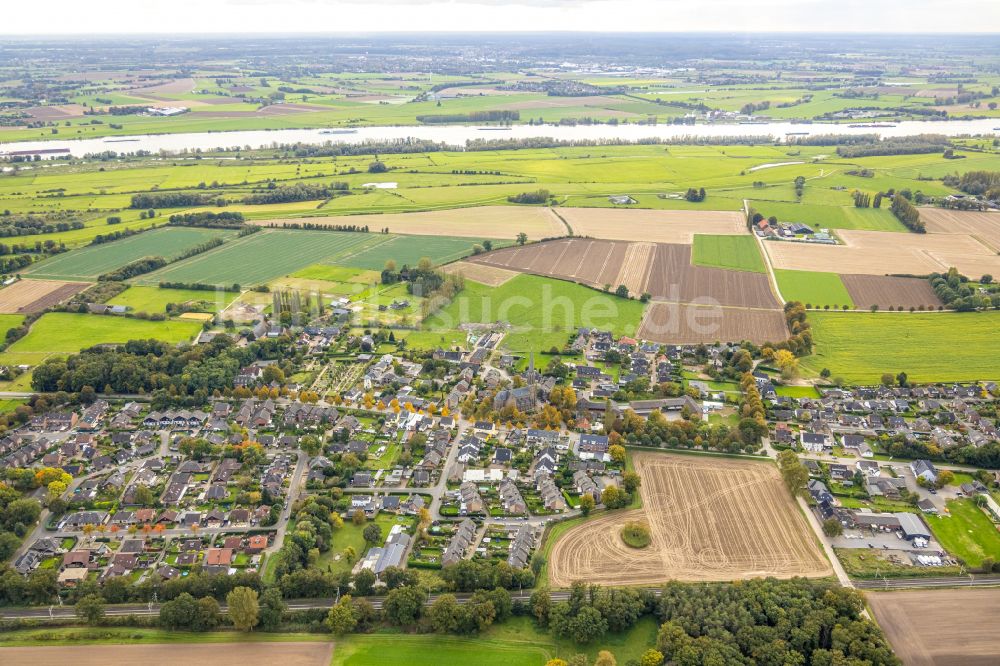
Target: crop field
592, 262
90, 262
27, 296
882, 253
813, 289
929, 347
954, 627
262, 257
542, 311
503, 222
481, 273
683, 323
337, 274
737, 253
155, 299
711, 519
985, 227
407, 251
672, 277
890, 292
171, 654
62, 333
652, 226
664, 271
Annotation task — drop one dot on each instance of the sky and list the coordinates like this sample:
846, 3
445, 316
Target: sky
88, 17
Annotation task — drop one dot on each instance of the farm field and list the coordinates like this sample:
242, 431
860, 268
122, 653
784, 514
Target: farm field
813, 289
652, 226
890, 292
819, 216
9, 321
262, 257
683, 323
664, 271
408, 250
940, 627
929, 347
155, 299
543, 311
337, 274
499, 222
967, 532
170, 654
27, 296
672, 277
488, 275
882, 253
737, 253
985, 227
63, 333
90, 262
711, 518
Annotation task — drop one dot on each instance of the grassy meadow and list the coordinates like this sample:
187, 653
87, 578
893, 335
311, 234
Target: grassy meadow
155, 299
966, 532
737, 253
542, 311
930, 347
814, 289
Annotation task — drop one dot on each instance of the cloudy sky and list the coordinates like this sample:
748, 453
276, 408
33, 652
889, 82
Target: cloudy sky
220, 16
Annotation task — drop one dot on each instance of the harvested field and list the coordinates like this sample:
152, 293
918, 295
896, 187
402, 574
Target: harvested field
985, 227
27, 296
885, 253
681, 323
665, 271
488, 275
52, 113
890, 292
164, 91
591, 262
504, 222
940, 627
711, 518
654, 226
171, 654
673, 278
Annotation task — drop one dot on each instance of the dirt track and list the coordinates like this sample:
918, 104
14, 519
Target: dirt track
941, 627
711, 518
172, 654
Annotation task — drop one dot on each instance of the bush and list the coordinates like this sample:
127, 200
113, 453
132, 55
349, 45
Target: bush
636, 534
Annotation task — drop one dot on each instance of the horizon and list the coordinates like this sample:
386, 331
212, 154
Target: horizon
190, 17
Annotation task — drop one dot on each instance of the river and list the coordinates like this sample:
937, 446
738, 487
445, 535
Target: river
459, 134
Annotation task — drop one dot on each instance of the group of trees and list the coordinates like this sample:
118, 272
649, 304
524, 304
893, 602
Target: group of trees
865, 200
907, 213
695, 196
471, 117
152, 366
800, 341
132, 269
223, 220
903, 145
275, 193
657, 431
955, 292
980, 183
153, 200
17, 515
591, 611
536, 197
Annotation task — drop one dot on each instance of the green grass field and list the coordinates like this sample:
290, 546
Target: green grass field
262, 257
63, 333
966, 532
813, 289
738, 253
154, 299
929, 347
830, 216
408, 250
337, 274
351, 535
9, 321
542, 310
90, 262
